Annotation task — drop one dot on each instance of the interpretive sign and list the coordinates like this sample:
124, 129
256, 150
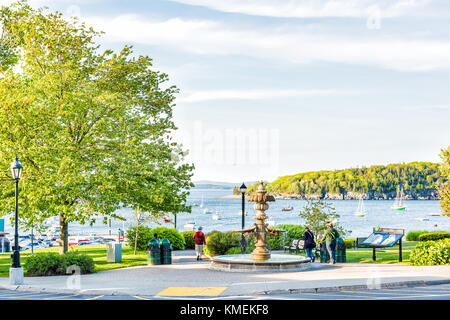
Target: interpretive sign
385, 237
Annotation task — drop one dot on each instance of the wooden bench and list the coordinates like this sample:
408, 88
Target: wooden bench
297, 245
358, 241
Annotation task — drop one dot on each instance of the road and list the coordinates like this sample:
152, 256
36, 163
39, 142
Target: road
433, 292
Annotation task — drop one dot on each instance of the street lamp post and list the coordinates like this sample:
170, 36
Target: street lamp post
16, 271
243, 189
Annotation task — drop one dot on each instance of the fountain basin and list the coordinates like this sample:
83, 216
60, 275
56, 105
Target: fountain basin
244, 263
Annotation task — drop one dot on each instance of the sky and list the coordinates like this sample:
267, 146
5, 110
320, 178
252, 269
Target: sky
271, 87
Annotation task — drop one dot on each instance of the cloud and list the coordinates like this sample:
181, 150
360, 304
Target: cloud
208, 95
311, 8
293, 44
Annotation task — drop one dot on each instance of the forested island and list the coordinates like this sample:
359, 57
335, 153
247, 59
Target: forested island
419, 180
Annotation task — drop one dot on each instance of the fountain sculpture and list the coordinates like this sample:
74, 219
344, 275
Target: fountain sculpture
260, 259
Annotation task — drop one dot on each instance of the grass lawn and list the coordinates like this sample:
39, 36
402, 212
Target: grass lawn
97, 252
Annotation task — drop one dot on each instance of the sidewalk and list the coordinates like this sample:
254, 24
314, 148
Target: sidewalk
185, 271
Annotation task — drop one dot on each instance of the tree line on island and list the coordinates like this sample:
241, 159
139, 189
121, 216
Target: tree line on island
419, 180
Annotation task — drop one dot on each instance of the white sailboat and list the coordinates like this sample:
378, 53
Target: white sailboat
361, 210
398, 202
201, 204
207, 211
216, 216
189, 226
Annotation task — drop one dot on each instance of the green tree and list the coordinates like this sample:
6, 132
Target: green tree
92, 128
316, 214
444, 190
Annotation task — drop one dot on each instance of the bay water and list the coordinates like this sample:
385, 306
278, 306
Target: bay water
379, 213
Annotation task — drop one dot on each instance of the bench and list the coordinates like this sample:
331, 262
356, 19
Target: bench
297, 245
358, 241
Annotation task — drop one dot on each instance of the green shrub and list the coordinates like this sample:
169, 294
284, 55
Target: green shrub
176, 239
188, 239
431, 253
414, 235
218, 243
73, 257
433, 236
51, 263
144, 236
237, 250
293, 232
349, 243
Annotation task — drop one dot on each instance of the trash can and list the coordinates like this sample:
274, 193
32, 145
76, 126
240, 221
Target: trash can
113, 252
166, 252
324, 256
341, 255
153, 252
4, 244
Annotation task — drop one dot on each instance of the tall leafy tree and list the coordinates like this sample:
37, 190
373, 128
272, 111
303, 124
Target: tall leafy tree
92, 128
444, 190
316, 214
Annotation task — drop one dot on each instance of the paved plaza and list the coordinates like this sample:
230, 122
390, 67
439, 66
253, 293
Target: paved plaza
188, 278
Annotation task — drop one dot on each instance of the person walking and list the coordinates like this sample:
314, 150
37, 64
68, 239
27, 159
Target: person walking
330, 237
200, 240
310, 244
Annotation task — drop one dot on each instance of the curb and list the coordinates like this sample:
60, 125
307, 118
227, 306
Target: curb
258, 293
354, 287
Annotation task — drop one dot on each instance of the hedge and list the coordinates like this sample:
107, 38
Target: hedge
188, 239
431, 253
144, 236
218, 243
414, 235
176, 239
51, 263
433, 236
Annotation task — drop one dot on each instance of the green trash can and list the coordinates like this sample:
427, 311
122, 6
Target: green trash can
324, 256
341, 255
166, 252
153, 252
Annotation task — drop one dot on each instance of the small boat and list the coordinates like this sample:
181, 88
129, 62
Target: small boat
206, 211
189, 226
287, 208
216, 216
435, 214
398, 203
422, 219
201, 204
360, 211
195, 205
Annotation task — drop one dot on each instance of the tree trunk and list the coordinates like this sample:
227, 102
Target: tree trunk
136, 238
63, 235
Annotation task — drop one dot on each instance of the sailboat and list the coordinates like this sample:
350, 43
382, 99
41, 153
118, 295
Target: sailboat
201, 204
207, 211
398, 203
361, 210
216, 216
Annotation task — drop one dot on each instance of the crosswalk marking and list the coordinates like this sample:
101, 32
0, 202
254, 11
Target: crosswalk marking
192, 291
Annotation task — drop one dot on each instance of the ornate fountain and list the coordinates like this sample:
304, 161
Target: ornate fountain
260, 259
261, 229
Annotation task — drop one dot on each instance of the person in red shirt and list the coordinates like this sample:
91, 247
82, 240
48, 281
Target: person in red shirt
200, 240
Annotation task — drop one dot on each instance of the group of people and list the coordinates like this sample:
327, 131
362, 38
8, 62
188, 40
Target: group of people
329, 240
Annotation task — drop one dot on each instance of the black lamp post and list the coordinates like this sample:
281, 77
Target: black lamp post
16, 170
243, 189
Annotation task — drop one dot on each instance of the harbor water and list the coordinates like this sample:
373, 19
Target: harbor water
379, 213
